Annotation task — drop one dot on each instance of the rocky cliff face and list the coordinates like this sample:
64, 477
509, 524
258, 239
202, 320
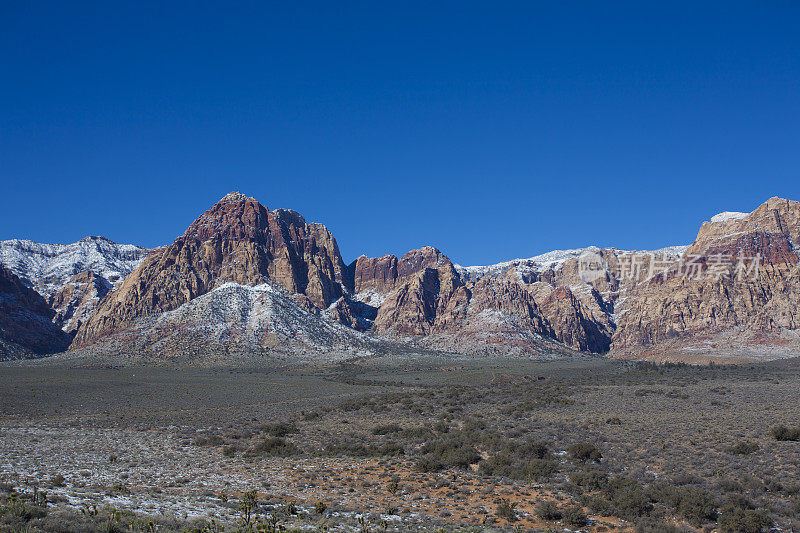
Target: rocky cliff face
72, 278
25, 321
419, 302
77, 300
574, 324
237, 240
243, 278
424, 295
736, 288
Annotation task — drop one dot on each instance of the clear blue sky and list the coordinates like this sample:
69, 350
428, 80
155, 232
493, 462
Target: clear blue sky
490, 130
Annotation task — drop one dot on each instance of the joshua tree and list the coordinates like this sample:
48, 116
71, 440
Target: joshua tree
248, 504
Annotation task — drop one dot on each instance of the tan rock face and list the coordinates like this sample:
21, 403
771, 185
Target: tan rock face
237, 240
435, 301
418, 305
374, 273
77, 301
25, 320
718, 292
574, 324
628, 303
776, 216
382, 274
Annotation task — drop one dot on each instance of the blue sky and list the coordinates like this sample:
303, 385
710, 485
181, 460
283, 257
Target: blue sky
490, 130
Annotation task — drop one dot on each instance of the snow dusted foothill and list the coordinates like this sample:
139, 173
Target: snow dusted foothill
258, 318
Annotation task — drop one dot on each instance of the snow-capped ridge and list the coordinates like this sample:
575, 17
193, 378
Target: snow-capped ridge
48, 267
725, 216
552, 260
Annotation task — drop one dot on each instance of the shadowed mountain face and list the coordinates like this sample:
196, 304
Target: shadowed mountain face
26, 326
243, 278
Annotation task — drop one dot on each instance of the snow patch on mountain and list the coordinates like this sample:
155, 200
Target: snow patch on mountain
728, 215
551, 261
370, 297
538, 263
260, 317
677, 251
48, 267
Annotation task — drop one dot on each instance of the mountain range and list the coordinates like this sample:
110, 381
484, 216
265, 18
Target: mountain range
244, 279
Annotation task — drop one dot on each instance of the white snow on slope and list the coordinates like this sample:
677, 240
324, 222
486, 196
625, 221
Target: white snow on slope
251, 314
728, 215
47, 267
677, 250
536, 263
550, 261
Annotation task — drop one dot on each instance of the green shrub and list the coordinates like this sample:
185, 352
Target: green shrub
628, 497
738, 500
280, 429
429, 464
229, 451
455, 452
209, 440
548, 511
598, 504
591, 479
584, 452
574, 516
499, 465
441, 427
781, 432
527, 460
389, 448
662, 491
737, 520
533, 449
697, 506
272, 447
386, 429
417, 432
507, 510
743, 448
23, 510
540, 469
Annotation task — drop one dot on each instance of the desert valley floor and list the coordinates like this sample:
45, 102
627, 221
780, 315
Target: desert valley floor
421, 442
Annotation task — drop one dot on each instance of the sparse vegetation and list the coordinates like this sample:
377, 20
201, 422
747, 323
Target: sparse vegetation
272, 447
525, 450
738, 520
